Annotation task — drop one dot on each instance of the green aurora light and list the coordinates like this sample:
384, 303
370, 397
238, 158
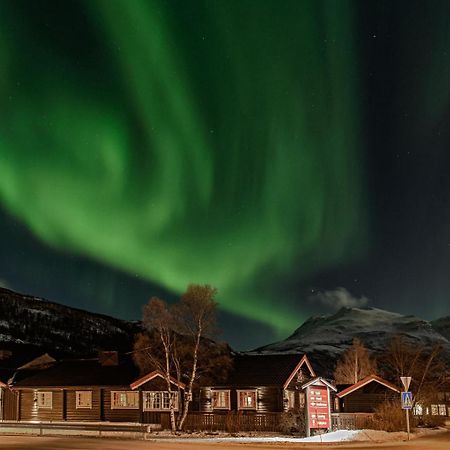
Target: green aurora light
216, 144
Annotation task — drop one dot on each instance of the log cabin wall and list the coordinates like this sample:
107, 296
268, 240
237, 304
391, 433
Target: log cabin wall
205, 404
10, 403
94, 413
268, 399
367, 398
29, 410
119, 414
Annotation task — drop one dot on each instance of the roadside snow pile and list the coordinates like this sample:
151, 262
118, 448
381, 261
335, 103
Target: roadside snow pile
334, 436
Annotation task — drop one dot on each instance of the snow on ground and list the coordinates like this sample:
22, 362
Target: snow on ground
334, 436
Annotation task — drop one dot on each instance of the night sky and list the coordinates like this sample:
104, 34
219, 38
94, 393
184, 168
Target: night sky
293, 154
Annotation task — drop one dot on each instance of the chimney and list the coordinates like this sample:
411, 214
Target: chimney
108, 358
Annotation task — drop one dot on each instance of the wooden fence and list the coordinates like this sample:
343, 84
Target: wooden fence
351, 421
231, 422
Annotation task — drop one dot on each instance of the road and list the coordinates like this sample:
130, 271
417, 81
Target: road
439, 441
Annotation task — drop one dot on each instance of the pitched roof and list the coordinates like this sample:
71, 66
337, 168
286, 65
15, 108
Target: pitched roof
154, 374
319, 380
265, 370
88, 372
42, 361
367, 380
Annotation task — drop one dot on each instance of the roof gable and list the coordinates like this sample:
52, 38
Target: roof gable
151, 376
303, 361
319, 380
364, 382
40, 362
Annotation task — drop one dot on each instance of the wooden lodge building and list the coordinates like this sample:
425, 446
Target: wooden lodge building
259, 384
106, 389
94, 390
258, 389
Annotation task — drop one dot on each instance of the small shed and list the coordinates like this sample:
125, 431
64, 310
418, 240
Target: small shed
365, 395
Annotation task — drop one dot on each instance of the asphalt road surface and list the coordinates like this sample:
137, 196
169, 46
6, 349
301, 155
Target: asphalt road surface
439, 441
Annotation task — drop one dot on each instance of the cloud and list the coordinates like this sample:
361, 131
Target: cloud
339, 298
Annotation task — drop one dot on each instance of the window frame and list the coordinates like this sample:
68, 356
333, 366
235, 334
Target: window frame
228, 399
88, 404
153, 395
114, 404
241, 392
44, 394
289, 399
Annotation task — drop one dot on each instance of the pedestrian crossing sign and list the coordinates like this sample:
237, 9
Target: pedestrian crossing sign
407, 400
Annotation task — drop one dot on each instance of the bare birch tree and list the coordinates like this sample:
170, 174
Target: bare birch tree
157, 349
354, 365
178, 343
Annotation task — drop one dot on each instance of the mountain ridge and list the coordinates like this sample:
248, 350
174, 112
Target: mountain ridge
32, 325
324, 338
41, 326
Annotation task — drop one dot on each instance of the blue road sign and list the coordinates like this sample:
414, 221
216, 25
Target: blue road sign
407, 400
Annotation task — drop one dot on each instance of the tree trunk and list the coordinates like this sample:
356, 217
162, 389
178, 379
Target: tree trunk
188, 394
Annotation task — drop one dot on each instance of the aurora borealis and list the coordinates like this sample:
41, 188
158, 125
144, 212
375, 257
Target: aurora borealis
261, 147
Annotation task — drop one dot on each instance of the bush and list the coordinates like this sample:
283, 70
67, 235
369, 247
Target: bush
293, 421
389, 416
430, 421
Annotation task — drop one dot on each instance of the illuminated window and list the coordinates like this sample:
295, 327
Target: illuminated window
336, 404
418, 409
442, 410
247, 399
83, 399
44, 400
289, 398
434, 410
124, 400
220, 399
159, 400
301, 397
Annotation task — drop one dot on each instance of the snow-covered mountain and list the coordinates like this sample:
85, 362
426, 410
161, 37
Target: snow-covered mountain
325, 338
30, 326
442, 326
36, 325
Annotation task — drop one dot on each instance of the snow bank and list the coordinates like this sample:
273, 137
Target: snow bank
334, 436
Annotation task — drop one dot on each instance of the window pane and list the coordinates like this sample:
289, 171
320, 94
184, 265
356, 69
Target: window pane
159, 400
83, 399
247, 399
